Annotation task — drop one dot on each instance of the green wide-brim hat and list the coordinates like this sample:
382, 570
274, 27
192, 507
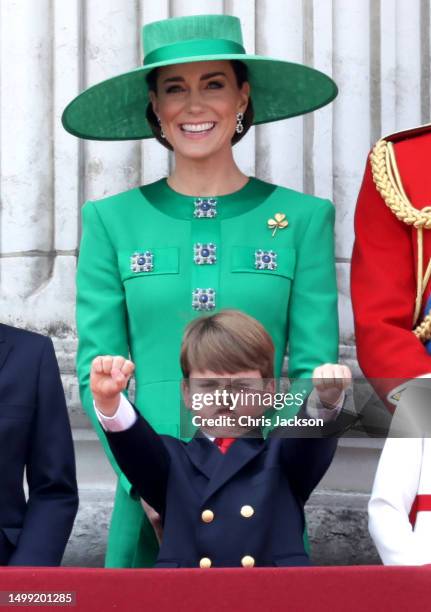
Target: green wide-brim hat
115, 109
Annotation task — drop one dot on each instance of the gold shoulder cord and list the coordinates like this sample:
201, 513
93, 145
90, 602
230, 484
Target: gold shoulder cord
388, 182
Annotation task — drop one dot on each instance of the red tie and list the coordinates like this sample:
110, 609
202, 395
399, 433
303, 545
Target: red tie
224, 443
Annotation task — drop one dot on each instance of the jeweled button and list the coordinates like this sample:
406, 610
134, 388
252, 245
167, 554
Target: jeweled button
203, 299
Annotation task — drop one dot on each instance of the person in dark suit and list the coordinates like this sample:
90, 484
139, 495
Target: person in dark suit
35, 438
224, 501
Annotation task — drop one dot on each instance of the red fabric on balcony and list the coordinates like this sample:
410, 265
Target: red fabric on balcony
332, 589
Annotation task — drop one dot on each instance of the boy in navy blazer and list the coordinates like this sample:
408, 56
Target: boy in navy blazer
35, 438
227, 498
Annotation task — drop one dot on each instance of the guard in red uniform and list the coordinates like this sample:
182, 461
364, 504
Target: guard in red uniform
391, 263
391, 269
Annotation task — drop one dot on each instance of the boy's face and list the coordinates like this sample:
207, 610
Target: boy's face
227, 399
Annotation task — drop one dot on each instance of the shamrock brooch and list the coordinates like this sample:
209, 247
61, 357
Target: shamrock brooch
279, 222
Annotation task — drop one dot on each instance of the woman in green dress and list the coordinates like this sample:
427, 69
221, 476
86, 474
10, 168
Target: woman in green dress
205, 238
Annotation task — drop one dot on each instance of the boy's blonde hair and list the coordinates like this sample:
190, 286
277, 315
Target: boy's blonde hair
228, 341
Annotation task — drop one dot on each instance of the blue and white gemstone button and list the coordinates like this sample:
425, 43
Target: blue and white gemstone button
205, 208
265, 260
142, 262
203, 299
204, 253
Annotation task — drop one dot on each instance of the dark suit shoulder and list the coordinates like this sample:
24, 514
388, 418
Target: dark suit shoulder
23, 338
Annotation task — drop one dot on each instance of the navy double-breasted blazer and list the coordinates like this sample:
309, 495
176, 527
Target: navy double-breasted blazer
242, 508
35, 439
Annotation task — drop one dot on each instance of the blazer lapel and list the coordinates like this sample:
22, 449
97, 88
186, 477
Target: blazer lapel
239, 454
204, 455
5, 346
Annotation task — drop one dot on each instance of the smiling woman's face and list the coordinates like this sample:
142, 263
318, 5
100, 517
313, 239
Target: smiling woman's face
197, 105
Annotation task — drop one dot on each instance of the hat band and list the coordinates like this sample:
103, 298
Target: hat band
193, 48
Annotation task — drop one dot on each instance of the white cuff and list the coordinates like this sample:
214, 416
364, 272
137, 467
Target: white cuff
123, 419
316, 410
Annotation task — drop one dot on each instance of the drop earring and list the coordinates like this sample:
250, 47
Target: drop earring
162, 134
239, 125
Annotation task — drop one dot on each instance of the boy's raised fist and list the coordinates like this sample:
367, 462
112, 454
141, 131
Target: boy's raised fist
109, 376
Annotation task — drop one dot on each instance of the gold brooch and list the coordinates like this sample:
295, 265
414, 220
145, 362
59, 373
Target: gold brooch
279, 222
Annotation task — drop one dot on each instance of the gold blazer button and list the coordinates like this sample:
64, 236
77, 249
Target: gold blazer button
247, 561
247, 511
207, 516
205, 562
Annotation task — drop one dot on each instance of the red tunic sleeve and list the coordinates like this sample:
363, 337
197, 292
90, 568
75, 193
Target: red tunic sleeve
383, 287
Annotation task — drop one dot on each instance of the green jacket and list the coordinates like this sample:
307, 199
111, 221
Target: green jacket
123, 307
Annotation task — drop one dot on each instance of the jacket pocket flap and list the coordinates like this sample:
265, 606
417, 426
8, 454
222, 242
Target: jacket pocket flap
244, 260
157, 261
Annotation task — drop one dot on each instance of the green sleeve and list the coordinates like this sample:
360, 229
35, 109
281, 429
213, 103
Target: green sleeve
101, 315
313, 313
